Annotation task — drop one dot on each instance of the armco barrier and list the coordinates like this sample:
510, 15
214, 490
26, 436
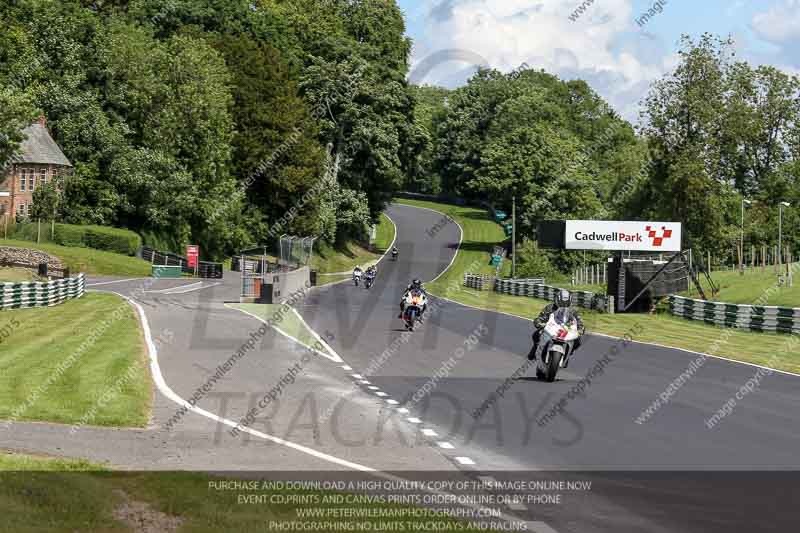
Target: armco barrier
752, 317
530, 289
205, 269
585, 299
40, 293
478, 281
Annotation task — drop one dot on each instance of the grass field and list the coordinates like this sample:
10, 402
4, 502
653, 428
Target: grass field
65, 363
46, 494
17, 275
660, 328
88, 260
749, 288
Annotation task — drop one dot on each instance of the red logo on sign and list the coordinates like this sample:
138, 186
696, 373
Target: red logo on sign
653, 234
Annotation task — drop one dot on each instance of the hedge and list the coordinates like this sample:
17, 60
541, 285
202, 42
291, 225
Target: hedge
105, 238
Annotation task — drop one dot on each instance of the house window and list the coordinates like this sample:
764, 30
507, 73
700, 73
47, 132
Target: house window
31, 180
22, 175
43, 177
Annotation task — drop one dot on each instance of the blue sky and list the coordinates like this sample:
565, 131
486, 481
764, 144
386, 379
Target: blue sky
603, 45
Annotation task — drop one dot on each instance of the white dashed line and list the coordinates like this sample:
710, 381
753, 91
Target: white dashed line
445, 445
381, 394
357, 376
373, 387
429, 432
393, 402
402, 410
414, 420
348, 368
465, 461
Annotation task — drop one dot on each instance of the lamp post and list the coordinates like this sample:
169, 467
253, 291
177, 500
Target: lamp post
780, 234
741, 248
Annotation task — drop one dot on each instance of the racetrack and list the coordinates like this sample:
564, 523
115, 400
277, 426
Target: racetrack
667, 473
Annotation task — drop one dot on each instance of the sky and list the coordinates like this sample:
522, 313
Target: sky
609, 44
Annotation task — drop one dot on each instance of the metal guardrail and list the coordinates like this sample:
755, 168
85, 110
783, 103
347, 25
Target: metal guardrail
480, 282
531, 289
751, 317
41, 293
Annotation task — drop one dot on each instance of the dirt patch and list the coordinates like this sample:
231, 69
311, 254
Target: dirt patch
142, 518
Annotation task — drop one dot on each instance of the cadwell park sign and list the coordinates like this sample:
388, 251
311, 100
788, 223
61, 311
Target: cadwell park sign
623, 236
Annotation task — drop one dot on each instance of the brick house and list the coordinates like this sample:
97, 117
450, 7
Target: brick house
38, 161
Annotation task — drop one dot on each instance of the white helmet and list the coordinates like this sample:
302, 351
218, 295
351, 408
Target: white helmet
563, 298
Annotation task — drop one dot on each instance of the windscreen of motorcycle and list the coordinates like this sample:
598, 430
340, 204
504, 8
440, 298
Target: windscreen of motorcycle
564, 316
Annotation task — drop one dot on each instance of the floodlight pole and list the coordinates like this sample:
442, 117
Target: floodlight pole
513, 237
741, 249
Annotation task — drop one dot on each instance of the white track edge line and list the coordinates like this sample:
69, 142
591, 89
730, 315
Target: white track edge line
165, 389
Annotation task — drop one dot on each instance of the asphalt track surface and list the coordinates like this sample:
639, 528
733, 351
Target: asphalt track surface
669, 473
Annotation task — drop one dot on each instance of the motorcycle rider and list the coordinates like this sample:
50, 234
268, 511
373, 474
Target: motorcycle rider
357, 273
415, 285
394, 252
371, 273
562, 299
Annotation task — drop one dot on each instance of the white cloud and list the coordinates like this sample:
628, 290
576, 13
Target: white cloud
603, 46
780, 24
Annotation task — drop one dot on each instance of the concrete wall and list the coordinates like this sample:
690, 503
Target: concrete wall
283, 284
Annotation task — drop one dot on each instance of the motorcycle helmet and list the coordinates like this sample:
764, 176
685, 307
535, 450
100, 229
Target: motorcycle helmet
563, 298
416, 284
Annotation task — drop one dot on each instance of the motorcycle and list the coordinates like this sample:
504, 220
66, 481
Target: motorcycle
415, 301
369, 279
394, 255
557, 344
356, 279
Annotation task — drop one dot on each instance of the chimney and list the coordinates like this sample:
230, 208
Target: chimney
42, 121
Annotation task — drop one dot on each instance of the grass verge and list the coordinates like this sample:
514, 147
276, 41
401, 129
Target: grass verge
81, 362
87, 260
331, 261
749, 288
760, 348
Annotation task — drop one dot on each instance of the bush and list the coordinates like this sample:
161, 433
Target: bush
105, 238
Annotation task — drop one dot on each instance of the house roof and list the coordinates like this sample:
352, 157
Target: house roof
40, 148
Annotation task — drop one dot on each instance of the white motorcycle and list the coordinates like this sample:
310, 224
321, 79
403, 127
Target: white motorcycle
415, 302
557, 344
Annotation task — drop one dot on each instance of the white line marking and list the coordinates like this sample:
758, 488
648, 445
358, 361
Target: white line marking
429, 432
414, 420
465, 461
316, 336
403, 410
382, 394
167, 290
111, 282
373, 387
194, 289
345, 367
392, 402
169, 393
332, 356
445, 445
365, 382
357, 376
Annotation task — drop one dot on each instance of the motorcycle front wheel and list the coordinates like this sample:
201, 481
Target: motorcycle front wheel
551, 368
